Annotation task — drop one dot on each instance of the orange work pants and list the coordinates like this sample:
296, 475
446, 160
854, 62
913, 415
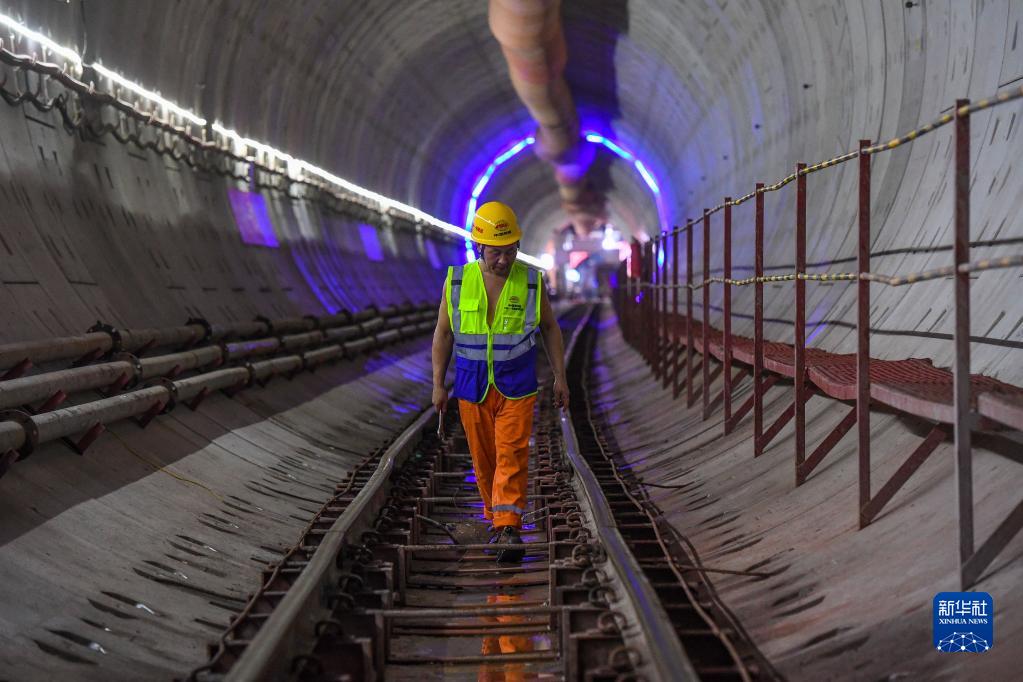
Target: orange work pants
498, 431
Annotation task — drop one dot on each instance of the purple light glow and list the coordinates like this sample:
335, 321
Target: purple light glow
821, 325
252, 218
484, 179
300, 261
380, 361
593, 137
819, 312
371, 242
431, 253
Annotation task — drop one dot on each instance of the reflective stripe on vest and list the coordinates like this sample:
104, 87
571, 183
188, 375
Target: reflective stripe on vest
508, 359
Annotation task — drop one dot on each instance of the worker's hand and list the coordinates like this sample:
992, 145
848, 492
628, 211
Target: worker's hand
440, 398
561, 394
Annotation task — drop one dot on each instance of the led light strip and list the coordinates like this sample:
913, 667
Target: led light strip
45, 42
644, 173
295, 166
148, 94
589, 136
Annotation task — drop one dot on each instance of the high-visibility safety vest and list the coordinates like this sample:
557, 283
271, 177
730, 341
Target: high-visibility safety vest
503, 355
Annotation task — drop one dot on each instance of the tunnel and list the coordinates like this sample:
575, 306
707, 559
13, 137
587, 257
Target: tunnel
782, 246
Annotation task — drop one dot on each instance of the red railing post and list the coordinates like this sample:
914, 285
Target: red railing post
863, 335
645, 303
626, 311
704, 335
621, 295
799, 332
655, 303
961, 371
665, 321
629, 305
727, 305
620, 298
689, 314
634, 299
641, 301
758, 324
651, 319
676, 335
644, 341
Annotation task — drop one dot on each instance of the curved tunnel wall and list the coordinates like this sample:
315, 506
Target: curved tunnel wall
815, 81
716, 97
95, 230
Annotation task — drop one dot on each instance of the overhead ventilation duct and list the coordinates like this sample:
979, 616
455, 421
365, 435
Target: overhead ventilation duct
533, 42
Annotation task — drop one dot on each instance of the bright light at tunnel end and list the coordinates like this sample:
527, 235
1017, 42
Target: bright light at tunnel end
590, 136
296, 167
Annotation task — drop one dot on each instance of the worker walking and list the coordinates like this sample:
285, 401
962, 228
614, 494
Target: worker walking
490, 314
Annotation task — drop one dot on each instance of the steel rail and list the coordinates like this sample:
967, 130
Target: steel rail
269, 655
312, 599
668, 657
275, 573
678, 568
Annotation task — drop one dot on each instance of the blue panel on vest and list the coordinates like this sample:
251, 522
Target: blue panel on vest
470, 379
517, 378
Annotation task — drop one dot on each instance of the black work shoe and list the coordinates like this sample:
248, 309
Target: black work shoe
509, 535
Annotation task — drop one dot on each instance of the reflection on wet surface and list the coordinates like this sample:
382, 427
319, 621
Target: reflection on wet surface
491, 647
509, 635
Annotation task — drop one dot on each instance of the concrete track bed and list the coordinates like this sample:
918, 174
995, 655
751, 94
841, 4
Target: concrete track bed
124, 563
839, 603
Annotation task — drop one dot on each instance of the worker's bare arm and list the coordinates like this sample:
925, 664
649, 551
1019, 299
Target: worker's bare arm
443, 343
555, 343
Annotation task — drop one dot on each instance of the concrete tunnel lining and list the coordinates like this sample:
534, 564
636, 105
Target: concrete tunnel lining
718, 95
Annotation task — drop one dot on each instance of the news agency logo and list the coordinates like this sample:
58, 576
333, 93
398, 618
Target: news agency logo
964, 622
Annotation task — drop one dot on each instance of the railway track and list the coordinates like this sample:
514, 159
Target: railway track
394, 578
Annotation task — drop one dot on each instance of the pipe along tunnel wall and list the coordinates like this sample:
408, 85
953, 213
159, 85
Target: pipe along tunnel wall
127, 560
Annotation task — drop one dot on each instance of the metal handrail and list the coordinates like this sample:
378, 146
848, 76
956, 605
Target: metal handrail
1000, 263
964, 110
660, 348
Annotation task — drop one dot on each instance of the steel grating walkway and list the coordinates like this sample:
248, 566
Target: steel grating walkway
914, 385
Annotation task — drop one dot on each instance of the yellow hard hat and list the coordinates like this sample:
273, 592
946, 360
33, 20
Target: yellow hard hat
495, 224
